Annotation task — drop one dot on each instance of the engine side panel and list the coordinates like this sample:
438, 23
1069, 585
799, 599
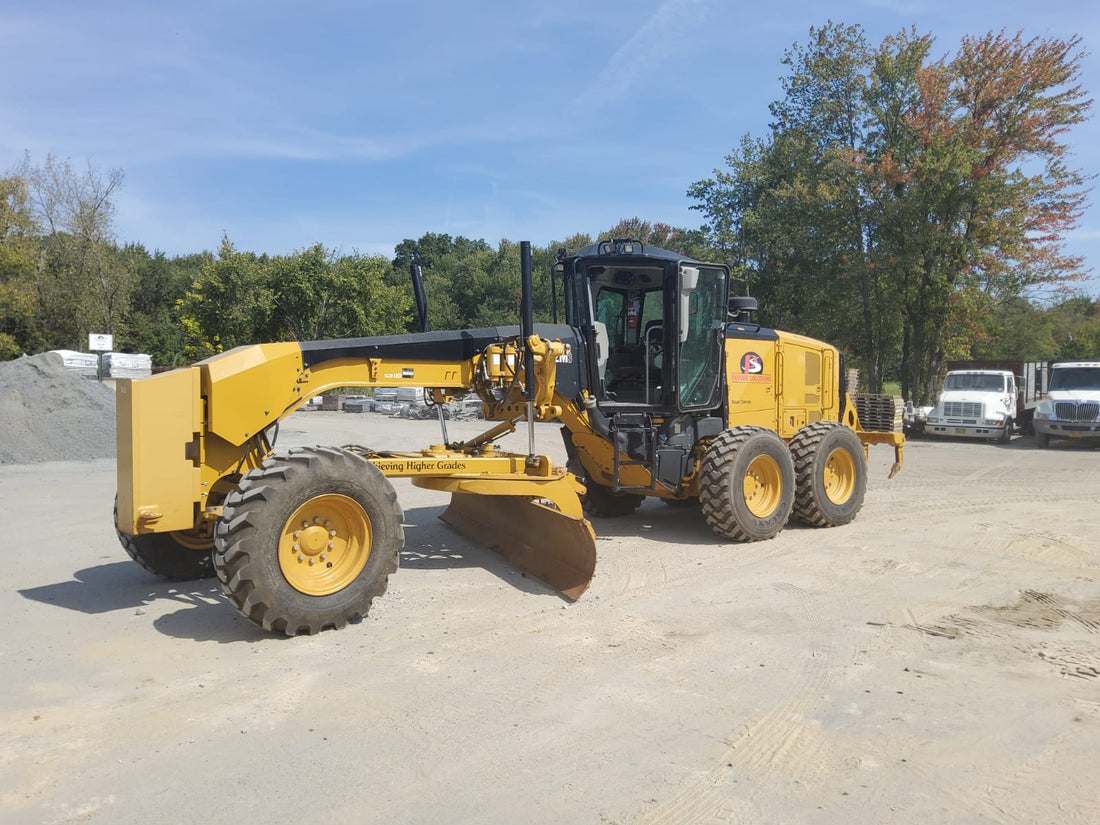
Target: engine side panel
752, 378
779, 380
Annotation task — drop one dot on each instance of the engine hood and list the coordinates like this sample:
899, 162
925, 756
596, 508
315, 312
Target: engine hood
974, 396
1074, 395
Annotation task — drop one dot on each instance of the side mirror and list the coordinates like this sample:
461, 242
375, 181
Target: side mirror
738, 307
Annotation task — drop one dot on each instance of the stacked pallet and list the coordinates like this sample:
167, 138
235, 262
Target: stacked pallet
852, 377
84, 364
881, 413
127, 365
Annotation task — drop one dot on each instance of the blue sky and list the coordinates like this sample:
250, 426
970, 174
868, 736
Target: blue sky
360, 123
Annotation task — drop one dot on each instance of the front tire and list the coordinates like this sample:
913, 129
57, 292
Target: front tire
831, 474
309, 540
184, 555
748, 482
1042, 440
1006, 435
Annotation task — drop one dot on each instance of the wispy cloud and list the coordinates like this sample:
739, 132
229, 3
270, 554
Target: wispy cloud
663, 37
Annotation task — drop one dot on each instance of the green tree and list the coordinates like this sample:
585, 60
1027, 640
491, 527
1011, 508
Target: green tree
18, 328
984, 193
793, 214
1013, 329
243, 298
688, 242
370, 306
896, 200
1075, 324
317, 295
230, 304
153, 325
81, 285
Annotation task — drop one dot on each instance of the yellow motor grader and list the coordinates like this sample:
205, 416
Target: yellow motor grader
664, 386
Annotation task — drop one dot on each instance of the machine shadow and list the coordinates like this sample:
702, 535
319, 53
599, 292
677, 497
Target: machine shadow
115, 586
678, 525
205, 614
430, 544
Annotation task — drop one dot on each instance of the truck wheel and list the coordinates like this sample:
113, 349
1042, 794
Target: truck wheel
1006, 435
1042, 440
831, 471
183, 555
600, 501
309, 540
747, 484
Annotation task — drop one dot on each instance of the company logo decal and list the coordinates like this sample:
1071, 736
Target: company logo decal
752, 364
752, 369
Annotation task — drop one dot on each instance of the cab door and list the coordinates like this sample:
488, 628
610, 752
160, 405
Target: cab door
701, 322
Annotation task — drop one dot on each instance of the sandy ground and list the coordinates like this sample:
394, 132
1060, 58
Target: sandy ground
936, 661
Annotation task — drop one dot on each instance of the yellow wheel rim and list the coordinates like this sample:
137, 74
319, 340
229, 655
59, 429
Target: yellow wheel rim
325, 544
762, 486
839, 480
201, 538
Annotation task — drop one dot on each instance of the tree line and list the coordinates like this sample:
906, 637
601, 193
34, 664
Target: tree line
909, 209
903, 206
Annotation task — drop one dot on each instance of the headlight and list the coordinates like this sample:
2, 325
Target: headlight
1044, 411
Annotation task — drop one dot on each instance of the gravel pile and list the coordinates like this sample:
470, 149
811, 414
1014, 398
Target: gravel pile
49, 414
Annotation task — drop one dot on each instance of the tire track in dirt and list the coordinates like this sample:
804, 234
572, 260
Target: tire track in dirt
1037, 611
1076, 661
1033, 609
782, 740
1003, 798
624, 577
903, 509
1006, 538
1056, 548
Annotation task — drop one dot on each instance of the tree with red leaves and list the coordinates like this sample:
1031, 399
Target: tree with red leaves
898, 198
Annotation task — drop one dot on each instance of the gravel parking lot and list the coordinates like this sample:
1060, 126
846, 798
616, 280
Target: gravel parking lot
937, 660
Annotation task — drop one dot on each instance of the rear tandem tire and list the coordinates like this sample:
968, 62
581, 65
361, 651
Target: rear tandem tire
747, 485
831, 472
309, 540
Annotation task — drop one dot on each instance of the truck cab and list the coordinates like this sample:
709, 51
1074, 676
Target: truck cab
975, 404
1072, 406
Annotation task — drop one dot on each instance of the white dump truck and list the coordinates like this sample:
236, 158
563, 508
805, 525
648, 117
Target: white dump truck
988, 399
1072, 406
975, 404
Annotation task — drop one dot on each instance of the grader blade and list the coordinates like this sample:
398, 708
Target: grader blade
550, 545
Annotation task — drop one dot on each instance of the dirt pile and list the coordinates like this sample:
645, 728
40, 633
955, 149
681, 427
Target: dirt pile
49, 414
